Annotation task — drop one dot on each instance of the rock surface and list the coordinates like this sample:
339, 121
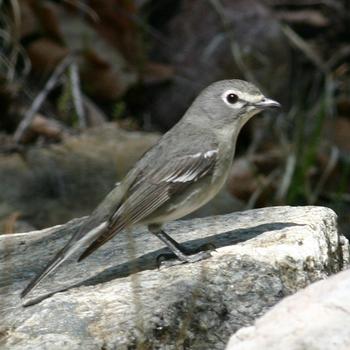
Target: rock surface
315, 318
118, 299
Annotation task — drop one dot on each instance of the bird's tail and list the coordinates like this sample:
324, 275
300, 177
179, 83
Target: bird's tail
70, 248
51, 266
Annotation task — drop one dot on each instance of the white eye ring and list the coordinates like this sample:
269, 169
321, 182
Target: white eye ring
231, 98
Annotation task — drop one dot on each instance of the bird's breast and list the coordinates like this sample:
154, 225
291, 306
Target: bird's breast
198, 193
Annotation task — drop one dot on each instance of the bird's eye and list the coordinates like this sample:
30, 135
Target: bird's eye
231, 98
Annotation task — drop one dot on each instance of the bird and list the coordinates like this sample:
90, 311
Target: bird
179, 174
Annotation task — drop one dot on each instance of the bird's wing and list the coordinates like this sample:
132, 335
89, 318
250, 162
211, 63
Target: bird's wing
152, 189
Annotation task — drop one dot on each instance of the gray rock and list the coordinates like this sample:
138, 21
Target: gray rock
316, 318
118, 299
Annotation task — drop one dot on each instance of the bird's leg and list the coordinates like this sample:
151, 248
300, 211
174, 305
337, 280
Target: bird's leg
176, 248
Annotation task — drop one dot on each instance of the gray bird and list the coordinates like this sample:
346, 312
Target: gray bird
182, 172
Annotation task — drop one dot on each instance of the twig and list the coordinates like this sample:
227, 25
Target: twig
40, 98
287, 177
10, 222
303, 46
11, 66
94, 115
258, 192
16, 10
77, 96
7, 59
13, 57
17, 49
340, 55
333, 160
235, 48
84, 8
143, 25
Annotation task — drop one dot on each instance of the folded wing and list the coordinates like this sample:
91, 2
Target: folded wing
152, 189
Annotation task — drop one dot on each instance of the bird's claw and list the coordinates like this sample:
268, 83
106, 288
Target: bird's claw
168, 260
208, 246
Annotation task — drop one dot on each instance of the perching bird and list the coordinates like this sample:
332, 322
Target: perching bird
182, 172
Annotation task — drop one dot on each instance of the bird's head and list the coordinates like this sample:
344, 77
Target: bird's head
230, 103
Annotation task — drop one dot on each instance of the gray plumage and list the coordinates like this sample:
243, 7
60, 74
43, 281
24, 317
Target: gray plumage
183, 171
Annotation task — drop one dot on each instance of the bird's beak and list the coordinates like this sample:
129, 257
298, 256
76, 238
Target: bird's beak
267, 103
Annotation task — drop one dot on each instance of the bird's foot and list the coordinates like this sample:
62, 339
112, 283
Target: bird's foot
167, 260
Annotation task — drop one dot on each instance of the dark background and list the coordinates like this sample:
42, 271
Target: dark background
97, 82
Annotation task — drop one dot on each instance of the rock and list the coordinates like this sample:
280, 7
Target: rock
50, 185
43, 126
314, 318
118, 299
